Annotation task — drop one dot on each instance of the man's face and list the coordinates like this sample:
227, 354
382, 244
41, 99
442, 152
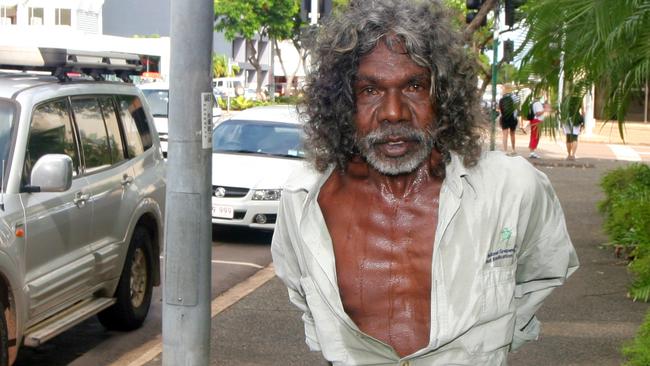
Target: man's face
394, 111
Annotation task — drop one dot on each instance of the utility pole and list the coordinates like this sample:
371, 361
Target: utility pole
495, 55
272, 73
188, 227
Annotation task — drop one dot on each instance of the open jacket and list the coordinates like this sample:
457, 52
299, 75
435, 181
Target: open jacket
501, 247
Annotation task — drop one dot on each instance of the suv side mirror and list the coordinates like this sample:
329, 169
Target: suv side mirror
51, 173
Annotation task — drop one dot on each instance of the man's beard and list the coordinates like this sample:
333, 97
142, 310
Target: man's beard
423, 140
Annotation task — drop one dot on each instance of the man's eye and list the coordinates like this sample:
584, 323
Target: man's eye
369, 90
416, 87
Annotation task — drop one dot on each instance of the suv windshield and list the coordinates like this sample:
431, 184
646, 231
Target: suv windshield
158, 101
7, 111
259, 137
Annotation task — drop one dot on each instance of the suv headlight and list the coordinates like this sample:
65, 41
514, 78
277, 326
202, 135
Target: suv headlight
267, 194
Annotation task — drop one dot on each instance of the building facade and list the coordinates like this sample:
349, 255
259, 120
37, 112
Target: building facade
152, 17
83, 16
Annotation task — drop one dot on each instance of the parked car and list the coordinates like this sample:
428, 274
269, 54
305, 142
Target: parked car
253, 154
82, 198
157, 94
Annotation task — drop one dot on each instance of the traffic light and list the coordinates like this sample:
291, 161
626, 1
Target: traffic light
473, 6
510, 7
508, 50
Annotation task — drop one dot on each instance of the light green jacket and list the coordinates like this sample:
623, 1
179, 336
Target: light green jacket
501, 247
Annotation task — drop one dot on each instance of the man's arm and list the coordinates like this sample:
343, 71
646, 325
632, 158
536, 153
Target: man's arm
545, 260
286, 261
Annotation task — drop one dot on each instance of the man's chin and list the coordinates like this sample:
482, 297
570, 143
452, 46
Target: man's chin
395, 166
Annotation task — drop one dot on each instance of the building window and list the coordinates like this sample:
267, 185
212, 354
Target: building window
8, 14
63, 16
35, 16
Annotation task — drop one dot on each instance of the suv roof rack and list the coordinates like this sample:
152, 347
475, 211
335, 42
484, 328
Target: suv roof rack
61, 61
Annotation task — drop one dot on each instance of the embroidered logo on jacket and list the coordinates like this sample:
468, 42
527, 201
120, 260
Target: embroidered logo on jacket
503, 250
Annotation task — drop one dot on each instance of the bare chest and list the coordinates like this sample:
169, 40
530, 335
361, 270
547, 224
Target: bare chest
383, 254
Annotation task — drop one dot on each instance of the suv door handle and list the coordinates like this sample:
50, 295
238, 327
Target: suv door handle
126, 180
80, 199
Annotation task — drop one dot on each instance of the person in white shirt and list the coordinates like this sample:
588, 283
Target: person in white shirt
402, 241
534, 123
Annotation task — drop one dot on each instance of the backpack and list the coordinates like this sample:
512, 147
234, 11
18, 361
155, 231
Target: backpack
531, 113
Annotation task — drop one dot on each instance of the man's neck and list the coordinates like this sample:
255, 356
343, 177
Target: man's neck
397, 186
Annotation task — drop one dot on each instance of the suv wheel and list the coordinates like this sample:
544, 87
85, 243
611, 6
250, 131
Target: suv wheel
133, 292
4, 340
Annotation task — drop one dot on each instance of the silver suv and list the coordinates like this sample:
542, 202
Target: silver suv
82, 198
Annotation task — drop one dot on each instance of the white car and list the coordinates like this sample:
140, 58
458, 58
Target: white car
157, 94
253, 154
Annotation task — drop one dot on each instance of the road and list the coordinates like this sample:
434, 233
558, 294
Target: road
236, 255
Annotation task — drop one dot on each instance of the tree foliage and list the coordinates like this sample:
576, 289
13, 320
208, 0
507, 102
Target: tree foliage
268, 18
606, 43
250, 19
220, 66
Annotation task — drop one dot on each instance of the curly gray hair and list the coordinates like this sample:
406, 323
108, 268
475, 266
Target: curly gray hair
424, 30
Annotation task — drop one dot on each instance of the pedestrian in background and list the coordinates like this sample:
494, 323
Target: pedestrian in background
573, 126
403, 241
535, 118
508, 120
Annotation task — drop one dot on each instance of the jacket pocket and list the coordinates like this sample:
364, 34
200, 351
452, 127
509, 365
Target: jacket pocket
498, 292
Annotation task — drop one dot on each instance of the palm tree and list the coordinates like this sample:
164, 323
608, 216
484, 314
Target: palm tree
602, 43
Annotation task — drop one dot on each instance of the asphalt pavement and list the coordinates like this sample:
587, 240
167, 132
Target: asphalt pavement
584, 322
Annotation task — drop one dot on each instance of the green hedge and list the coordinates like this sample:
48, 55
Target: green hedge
626, 209
637, 352
240, 103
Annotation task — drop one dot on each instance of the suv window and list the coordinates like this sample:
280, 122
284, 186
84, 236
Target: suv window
7, 113
50, 133
113, 129
134, 120
92, 132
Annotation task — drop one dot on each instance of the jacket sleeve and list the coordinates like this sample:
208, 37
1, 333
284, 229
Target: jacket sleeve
287, 262
546, 257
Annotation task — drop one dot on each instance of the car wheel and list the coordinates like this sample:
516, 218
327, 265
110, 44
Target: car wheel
133, 292
4, 341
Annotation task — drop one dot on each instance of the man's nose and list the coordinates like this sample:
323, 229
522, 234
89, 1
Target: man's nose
394, 108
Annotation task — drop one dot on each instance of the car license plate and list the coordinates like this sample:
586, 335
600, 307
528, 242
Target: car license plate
224, 212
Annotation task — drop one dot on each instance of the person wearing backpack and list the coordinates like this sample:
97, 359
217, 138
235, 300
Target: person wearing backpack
508, 121
535, 117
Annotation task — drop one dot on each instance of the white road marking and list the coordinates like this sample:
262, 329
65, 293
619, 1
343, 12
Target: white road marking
153, 348
254, 265
624, 153
248, 264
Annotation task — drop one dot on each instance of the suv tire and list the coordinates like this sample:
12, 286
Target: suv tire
134, 290
4, 339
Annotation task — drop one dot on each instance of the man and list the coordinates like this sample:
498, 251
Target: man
537, 118
573, 126
402, 242
508, 121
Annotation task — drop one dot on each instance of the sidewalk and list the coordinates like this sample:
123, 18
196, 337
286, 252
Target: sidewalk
635, 133
584, 322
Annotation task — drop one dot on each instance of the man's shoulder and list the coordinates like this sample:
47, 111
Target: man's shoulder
498, 168
303, 178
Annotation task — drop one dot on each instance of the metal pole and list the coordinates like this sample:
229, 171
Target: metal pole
272, 81
313, 16
188, 227
495, 55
